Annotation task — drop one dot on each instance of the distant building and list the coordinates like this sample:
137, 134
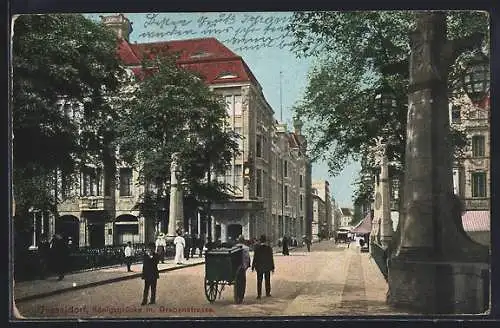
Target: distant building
347, 216
322, 188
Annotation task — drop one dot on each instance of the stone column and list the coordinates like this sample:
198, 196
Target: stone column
386, 222
198, 218
52, 225
432, 250
82, 240
212, 228
223, 232
176, 211
34, 245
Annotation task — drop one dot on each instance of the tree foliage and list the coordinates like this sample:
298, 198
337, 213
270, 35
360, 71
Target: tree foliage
172, 110
352, 51
54, 57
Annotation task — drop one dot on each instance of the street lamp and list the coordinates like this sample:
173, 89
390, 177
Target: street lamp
476, 79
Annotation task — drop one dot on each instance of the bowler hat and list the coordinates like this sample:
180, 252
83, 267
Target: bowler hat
262, 238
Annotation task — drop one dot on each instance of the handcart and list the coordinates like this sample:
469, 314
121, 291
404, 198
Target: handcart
223, 266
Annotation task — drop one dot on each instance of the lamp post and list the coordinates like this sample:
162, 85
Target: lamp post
432, 252
476, 80
33, 246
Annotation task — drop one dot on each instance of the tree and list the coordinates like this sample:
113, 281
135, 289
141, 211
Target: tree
59, 57
361, 55
172, 110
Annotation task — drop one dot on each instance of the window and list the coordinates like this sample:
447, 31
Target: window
286, 195
286, 169
479, 184
238, 178
395, 189
229, 176
227, 75
301, 202
90, 180
258, 146
478, 146
125, 182
259, 182
229, 105
301, 181
455, 114
237, 105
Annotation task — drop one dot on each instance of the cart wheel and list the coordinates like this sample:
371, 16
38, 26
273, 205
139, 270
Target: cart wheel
211, 290
239, 287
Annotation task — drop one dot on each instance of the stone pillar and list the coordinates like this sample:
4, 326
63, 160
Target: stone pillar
176, 211
223, 232
386, 223
432, 250
82, 240
141, 230
34, 244
198, 218
52, 225
212, 228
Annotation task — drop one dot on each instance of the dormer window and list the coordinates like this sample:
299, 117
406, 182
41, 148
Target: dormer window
200, 54
227, 75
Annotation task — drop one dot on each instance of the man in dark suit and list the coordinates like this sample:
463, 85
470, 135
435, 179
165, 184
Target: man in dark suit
263, 262
150, 274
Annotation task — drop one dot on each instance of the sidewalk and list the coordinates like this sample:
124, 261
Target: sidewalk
34, 289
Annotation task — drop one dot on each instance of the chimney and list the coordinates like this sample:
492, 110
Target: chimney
118, 23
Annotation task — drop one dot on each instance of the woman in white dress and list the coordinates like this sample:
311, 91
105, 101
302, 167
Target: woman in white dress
179, 243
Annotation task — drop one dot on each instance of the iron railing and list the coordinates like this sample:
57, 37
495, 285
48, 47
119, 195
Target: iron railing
27, 265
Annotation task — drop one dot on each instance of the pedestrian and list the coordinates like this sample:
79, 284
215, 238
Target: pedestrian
200, 244
161, 245
59, 252
129, 253
194, 245
308, 243
150, 274
286, 242
242, 273
263, 263
44, 255
187, 247
180, 244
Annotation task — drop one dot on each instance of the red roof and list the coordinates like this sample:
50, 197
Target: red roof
476, 221
364, 226
217, 63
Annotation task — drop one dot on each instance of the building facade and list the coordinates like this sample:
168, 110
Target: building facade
101, 207
347, 216
471, 172
323, 191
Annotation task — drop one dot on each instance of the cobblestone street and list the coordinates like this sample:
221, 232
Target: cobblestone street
331, 280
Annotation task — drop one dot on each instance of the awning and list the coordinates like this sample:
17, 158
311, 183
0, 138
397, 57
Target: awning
365, 226
476, 221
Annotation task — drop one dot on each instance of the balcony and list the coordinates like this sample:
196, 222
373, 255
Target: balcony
477, 204
95, 203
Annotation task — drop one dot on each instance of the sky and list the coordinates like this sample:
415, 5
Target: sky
262, 42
